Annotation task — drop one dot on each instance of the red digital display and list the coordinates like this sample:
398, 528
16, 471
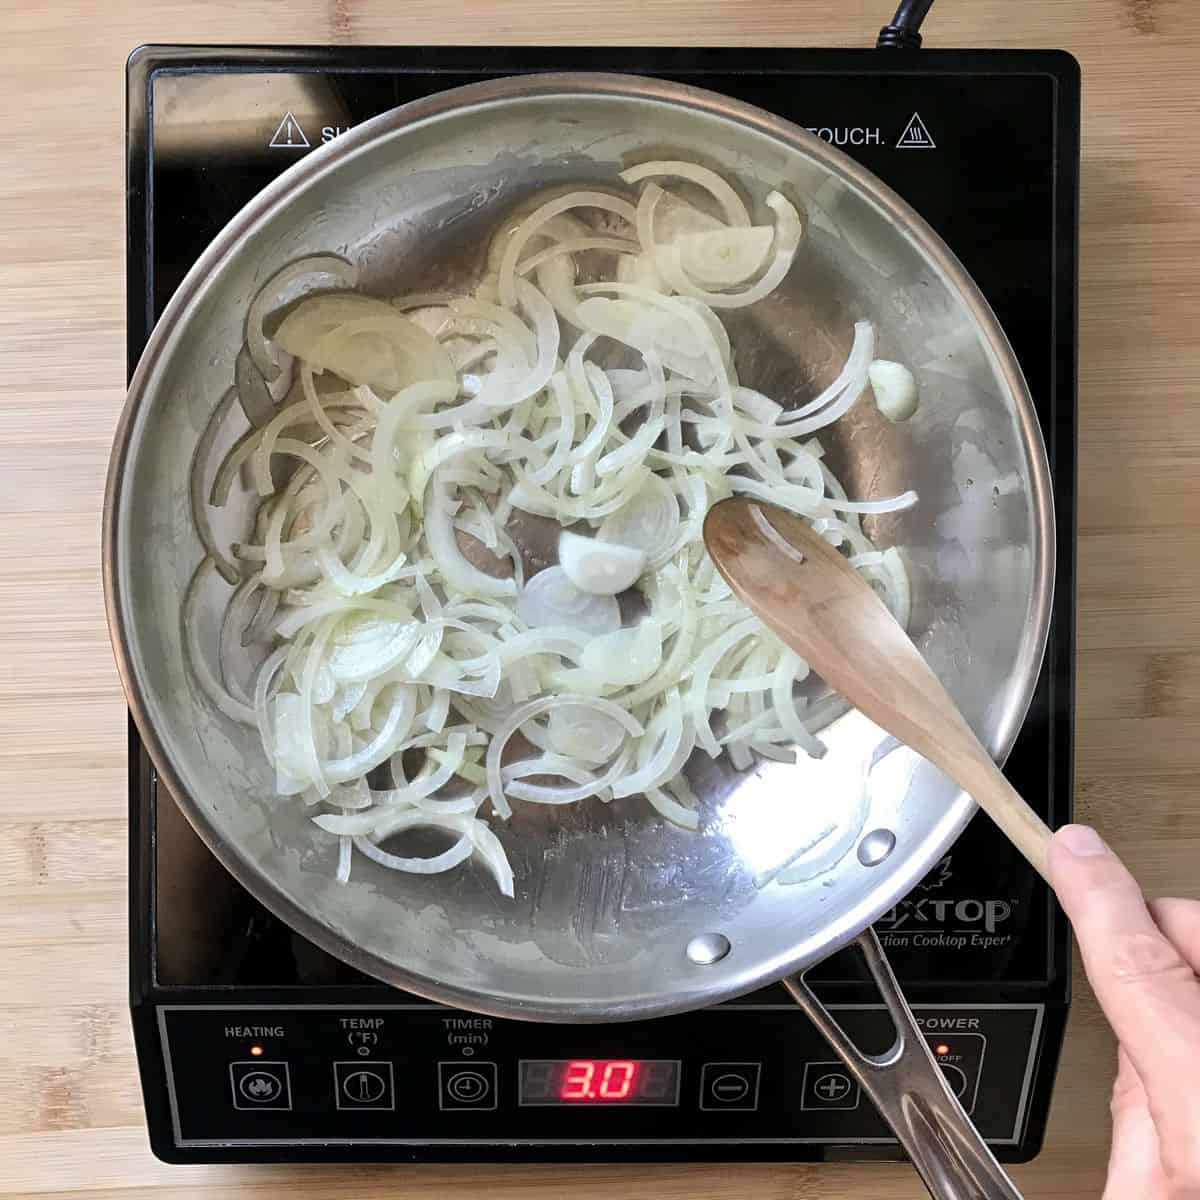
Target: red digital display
603, 1079
615, 1081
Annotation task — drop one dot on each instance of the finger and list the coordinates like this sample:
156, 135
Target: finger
1134, 1165
1180, 922
1147, 989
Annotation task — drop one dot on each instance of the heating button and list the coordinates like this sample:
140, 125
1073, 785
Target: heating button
259, 1085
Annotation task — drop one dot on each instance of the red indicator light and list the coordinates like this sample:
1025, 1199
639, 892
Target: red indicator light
941, 1049
256, 1051
592, 1079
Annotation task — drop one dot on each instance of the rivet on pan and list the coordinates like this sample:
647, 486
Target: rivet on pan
876, 846
707, 948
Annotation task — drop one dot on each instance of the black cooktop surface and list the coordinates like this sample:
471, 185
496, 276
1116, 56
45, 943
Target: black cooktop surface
983, 144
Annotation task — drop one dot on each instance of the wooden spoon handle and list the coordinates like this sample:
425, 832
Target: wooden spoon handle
1005, 805
907, 699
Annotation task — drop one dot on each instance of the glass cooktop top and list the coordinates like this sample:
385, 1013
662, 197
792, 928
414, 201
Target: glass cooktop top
983, 144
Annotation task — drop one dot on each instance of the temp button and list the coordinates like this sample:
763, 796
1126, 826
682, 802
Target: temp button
729, 1087
363, 1083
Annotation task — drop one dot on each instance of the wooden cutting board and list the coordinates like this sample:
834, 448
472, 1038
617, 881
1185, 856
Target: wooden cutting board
70, 1118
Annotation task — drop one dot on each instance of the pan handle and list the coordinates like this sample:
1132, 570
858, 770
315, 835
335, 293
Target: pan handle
911, 1093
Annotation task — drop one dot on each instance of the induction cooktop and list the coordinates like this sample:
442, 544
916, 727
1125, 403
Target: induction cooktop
254, 1045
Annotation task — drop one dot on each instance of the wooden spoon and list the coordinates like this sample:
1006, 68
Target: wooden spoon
807, 592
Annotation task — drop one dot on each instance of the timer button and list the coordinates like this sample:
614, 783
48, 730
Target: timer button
729, 1087
466, 1086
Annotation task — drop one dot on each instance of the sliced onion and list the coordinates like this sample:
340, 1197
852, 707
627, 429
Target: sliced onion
664, 331
724, 258
364, 647
639, 269
505, 388
197, 492
829, 850
596, 785
792, 667
351, 584
443, 545
583, 734
456, 854
537, 219
897, 589
254, 394
468, 413
599, 568
244, 601
664, 217
757, 406
712, 654
202, 671
681, 649
852, 377
526, 713
788, 232
627, 656
895, 389
345, 853
364, 341
649, 522
272, 294
710, 181
667, 750
576, 246
560, 389
550, 599
549, 764
667, 806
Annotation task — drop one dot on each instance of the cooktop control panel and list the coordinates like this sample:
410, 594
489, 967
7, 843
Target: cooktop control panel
296, 1076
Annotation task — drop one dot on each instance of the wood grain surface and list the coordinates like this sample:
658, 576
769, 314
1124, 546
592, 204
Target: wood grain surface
70, 1119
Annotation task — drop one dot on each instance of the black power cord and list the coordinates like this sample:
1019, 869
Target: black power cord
904, 31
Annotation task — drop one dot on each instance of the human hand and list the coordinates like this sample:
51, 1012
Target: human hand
1142, 961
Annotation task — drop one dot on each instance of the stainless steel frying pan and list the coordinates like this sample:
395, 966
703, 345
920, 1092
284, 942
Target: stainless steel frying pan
618, 916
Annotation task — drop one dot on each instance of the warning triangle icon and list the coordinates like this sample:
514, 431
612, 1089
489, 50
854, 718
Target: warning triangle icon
916, 136
289, 135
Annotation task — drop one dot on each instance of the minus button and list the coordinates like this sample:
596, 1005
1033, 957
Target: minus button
729, 1087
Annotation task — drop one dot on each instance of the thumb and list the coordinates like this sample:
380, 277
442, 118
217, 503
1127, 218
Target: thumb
1145, 986
1135, 1158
